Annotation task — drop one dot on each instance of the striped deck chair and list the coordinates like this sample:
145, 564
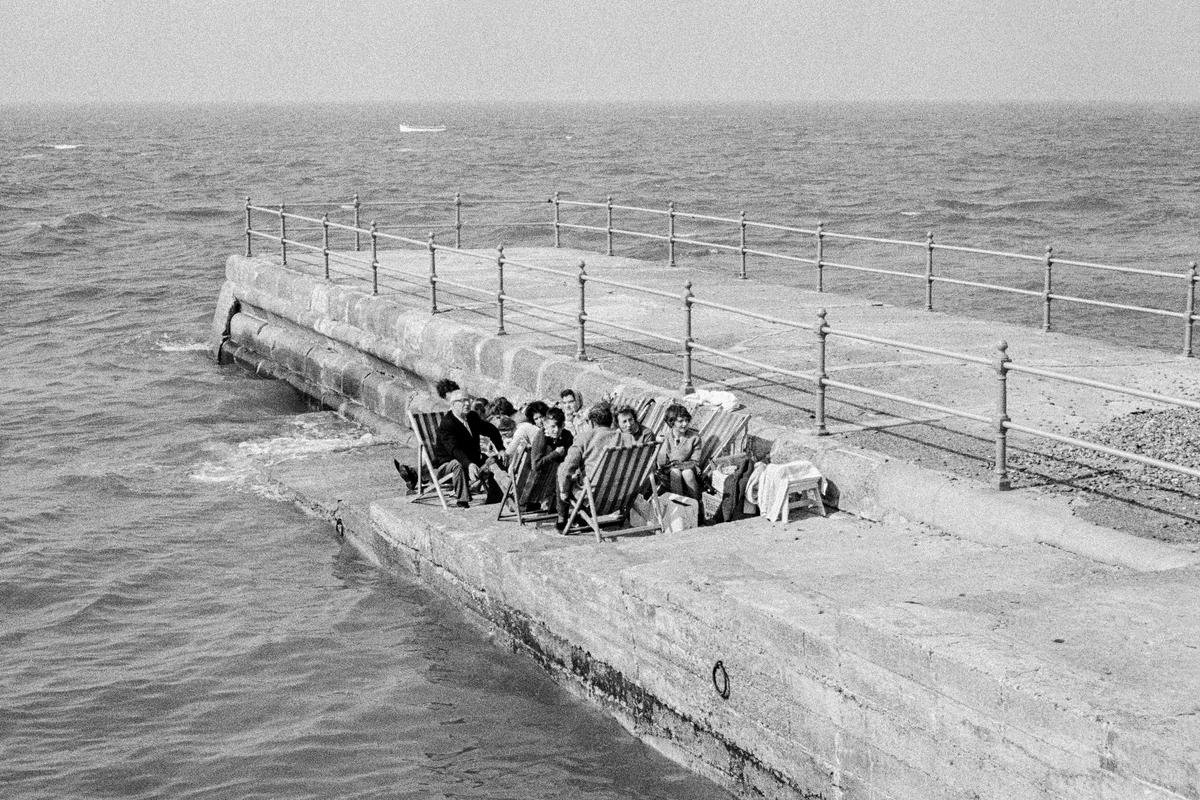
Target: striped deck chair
424, 426
725, 428
609, 490
652, 420
523, 488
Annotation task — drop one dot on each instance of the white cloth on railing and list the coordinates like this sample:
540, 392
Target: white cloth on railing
774, 482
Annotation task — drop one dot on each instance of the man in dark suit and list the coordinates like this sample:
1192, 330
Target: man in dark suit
456, 450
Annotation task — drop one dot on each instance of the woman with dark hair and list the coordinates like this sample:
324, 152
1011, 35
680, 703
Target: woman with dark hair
522, 437
678, 458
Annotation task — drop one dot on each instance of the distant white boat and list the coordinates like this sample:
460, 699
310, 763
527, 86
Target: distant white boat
412, 129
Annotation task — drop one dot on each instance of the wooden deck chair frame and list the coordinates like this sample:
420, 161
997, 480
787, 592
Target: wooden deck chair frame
608, 493
424, 426
518, 491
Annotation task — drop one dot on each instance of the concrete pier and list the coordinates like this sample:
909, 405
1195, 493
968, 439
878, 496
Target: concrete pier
862, 659
940, 640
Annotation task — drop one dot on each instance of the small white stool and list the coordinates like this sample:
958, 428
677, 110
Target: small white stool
809, 490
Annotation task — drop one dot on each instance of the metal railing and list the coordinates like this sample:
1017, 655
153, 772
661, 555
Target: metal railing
999, 364
1185, 312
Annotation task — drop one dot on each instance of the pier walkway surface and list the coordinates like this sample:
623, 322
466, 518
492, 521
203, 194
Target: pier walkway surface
1116, 494
864, 659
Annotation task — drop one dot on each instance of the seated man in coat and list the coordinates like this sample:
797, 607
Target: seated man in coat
456, 450
584, 455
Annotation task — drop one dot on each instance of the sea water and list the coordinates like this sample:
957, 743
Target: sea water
170, 627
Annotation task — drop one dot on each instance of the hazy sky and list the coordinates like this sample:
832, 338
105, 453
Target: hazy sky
471, 50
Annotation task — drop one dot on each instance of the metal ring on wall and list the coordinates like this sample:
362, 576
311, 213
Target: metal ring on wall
720, 679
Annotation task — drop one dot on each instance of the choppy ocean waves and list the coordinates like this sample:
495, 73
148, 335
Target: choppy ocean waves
1079, 204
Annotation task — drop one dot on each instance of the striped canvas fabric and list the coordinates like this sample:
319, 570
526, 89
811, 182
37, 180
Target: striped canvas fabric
721, 431
619, 475
424, 426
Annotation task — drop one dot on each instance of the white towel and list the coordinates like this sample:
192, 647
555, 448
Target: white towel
774, 481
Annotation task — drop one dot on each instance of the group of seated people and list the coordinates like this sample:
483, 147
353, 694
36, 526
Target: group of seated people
562, 438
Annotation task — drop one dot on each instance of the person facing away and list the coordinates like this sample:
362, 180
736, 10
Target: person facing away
678, 459
572, 405
584, 455
631, 431
456, 450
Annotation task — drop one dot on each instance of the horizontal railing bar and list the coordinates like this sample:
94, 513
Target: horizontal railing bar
875, 270
540, 268
305, 245
916, 348
1157, 273
486, 202
753, 314
440, 281
979, 251
1162, 312
579, 227
303, 218
344, 227
634, 288
405, 239
774, 227
701, 243
314, 203
751, 362
631, 329
590, 204
782, 256
876, 239
708, 217
1099, 448
341, 255
993, 286
639, 234
909, 400
263, 234
508, 298
1012, 366
616, 207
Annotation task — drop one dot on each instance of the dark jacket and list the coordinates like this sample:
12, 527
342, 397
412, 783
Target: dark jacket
545, 449
458, 442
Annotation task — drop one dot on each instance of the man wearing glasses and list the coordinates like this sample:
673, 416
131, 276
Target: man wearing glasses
456, 450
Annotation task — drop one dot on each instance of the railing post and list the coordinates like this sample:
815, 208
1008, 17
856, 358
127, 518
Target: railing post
1001, 469
820, 256
283, 233
325, 242
500, 290
458, 220
1189, 310
433, 309
557, 233
581, 349
1046, 286
374, 257
742, 244
671, 233
358, 224
608, 227
249, 235
929, 270
687, 387
822, 374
